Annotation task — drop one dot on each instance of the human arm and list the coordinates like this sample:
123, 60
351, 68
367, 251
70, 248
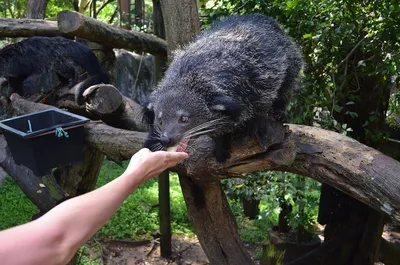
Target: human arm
57, 235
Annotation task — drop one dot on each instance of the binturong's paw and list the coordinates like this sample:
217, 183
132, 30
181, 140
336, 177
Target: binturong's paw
222, 149
269, 132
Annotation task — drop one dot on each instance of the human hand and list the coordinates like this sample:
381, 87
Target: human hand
146, 164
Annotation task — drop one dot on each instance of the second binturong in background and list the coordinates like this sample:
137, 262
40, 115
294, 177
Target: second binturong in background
37, 55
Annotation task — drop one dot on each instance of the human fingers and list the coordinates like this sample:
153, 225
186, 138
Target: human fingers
163, 160
176, 157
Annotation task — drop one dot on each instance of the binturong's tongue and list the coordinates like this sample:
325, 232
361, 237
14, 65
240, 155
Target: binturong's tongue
180, 147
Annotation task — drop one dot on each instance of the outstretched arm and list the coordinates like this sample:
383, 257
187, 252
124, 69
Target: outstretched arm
56, 236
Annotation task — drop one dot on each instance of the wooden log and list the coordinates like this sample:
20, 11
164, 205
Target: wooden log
24, 27
339, 161
107, 103
71, 22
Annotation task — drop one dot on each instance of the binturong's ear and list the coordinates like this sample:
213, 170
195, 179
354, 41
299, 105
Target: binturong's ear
148, 114
225, 104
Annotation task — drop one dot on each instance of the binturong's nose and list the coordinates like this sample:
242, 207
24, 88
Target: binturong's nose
165, 140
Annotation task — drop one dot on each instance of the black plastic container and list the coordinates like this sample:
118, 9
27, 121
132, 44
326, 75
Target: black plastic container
33, 141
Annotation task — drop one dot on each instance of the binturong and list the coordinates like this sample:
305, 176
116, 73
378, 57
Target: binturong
37, 55
231, 77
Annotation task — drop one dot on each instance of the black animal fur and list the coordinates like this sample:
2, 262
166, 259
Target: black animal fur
36, 55
234, 75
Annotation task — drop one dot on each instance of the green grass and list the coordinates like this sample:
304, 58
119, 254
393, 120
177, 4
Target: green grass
137, 219
15, 207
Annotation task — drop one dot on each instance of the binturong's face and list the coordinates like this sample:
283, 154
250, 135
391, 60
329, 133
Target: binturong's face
178, 117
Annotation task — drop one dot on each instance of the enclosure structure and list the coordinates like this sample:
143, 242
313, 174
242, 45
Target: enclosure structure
338, 161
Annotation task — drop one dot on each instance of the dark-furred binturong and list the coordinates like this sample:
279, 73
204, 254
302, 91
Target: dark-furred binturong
234, 75
38, 54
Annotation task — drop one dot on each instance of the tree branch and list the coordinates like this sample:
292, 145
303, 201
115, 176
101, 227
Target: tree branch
25, 27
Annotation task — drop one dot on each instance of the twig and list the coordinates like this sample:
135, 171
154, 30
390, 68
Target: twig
394, 140
156, 243
9, 8
103, 6
137, 75
351, 52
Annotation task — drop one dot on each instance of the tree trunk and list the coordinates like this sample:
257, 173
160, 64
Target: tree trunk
181, 21
125, 14
139, 4
36, 9
213, 222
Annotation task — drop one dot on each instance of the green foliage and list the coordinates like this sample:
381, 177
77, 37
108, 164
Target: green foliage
13, 8
275, 189
90, 254
55, 6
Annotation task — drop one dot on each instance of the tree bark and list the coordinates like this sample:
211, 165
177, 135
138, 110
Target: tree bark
25, 27
73, 23
82, 178
108, 104
213, 222
36, 9
181, 21
125, 14
139, 13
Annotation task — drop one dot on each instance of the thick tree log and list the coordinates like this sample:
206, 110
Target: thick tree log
339, 161
71, 22
106, 102
14, 28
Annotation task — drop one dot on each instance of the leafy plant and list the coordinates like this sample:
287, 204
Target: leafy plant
276, 189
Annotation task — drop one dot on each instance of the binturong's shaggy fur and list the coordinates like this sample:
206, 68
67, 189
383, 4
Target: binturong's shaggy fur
36, 55
234, 75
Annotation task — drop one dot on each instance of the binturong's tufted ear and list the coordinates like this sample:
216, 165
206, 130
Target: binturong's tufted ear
148, 114
227, 105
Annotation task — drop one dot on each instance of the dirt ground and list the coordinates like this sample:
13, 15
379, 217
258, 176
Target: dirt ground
186, 251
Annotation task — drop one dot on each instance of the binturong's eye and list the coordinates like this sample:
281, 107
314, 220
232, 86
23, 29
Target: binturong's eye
184, 119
